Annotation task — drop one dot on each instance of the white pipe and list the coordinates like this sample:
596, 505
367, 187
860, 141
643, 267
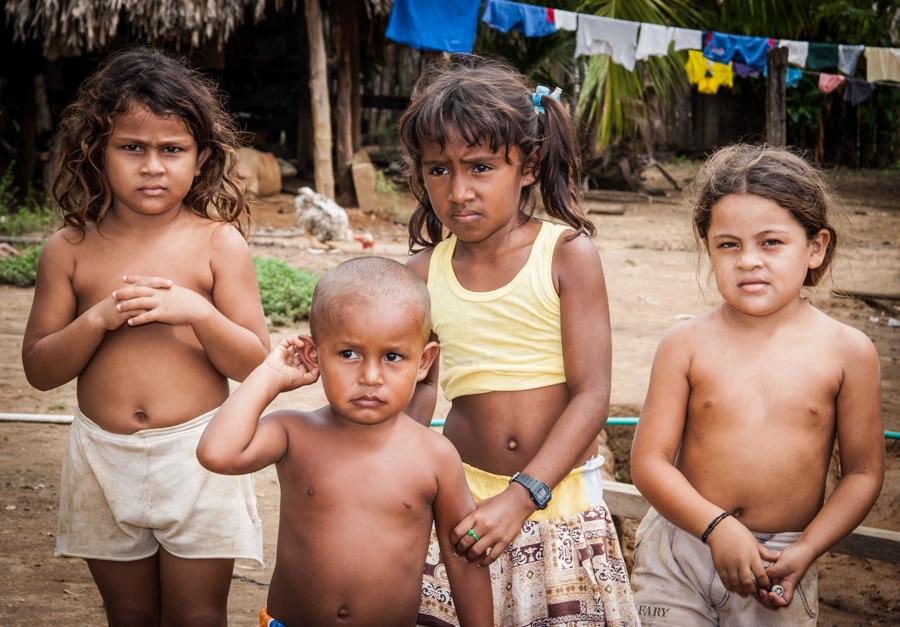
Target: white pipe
59, 419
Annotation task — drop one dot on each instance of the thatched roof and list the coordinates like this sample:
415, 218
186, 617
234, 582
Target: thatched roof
73, 27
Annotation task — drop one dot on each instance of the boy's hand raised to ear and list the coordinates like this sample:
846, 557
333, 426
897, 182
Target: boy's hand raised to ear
287, 366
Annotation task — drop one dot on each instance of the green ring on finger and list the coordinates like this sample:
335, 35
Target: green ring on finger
471, 532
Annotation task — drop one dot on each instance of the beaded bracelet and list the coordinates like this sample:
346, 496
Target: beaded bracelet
712, 525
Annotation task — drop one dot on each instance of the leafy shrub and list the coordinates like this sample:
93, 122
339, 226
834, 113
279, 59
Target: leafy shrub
20, 270
286, 292
18, 218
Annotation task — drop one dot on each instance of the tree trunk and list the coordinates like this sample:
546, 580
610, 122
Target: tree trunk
776, 118
851, 141
344, 114
355, 95
321, 109
344, 44
882, 133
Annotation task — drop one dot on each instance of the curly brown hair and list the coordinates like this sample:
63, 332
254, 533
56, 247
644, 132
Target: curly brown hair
774, 173
488, 100
167, 86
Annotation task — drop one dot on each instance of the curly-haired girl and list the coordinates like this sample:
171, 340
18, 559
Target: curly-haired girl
147, 295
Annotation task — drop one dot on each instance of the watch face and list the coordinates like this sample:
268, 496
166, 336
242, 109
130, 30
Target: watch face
542, 496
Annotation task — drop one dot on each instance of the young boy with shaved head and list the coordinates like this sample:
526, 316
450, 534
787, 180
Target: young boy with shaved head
361, 482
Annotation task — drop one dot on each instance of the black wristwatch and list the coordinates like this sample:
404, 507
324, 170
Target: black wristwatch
539, 491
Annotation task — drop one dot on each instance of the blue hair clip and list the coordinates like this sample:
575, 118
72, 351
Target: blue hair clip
537, 97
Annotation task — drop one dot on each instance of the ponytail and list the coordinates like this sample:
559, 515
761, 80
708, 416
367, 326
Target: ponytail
559, 168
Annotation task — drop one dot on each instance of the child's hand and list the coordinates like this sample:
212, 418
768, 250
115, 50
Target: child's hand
286, 366
787, 571
161, 301
109, 316
496, 522
737, 556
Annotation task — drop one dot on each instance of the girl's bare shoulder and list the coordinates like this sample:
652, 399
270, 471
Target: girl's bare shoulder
68, 242
223, 235
845, 340
695, 328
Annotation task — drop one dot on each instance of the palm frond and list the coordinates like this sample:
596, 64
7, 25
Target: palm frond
613, 98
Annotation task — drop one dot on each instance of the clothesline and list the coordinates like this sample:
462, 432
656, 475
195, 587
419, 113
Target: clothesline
627, 42
450, 26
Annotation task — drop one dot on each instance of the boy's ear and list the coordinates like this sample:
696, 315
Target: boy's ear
818, 246
429, 354
308, 354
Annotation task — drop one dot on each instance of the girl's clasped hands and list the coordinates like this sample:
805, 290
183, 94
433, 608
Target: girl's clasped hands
147, 299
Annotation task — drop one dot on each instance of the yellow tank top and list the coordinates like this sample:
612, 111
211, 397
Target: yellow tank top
503, 340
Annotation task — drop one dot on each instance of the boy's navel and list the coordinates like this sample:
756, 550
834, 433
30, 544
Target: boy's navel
311, 491
512, 444
141, 415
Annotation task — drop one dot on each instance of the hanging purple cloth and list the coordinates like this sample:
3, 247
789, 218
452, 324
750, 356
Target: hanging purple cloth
857, 90
744, 71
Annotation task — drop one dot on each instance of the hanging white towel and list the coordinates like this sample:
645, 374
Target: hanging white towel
848, 57
688, 39
565, 20
654, 40
605, 35
797, 51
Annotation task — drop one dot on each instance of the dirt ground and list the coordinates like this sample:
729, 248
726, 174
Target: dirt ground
650, 262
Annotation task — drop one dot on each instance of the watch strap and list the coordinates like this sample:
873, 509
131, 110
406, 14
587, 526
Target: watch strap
539, 491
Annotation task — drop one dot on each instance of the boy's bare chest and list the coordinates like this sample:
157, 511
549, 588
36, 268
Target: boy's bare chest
397, 483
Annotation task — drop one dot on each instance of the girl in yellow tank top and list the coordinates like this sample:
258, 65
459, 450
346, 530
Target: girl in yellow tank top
519, 306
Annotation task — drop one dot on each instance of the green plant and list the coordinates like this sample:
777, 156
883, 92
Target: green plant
20, 270
17, 218
286, 292
389, 197
616, 100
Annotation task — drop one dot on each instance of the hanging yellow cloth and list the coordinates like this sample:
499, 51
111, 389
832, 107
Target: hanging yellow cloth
707, 75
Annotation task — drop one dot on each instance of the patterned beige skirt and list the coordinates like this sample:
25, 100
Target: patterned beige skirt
565, 568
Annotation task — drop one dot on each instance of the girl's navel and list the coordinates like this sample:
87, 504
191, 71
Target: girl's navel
512, 444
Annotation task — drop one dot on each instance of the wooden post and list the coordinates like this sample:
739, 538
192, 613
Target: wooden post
355, 94
321, 108
344, 42
776, 118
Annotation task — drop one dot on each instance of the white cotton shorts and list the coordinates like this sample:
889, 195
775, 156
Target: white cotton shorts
121, 497
675, 582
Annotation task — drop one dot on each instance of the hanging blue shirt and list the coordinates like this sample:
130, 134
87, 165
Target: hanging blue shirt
791, 78
532, 20
750, 51
446, 26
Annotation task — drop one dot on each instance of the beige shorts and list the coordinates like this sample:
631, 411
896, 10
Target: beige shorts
122, 496
675, 582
